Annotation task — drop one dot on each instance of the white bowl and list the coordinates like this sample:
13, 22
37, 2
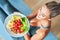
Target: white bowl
9, 18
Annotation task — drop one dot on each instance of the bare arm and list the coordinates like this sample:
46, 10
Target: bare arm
40, 35
32, 15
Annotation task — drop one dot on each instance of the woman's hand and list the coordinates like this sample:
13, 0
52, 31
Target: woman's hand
27, 37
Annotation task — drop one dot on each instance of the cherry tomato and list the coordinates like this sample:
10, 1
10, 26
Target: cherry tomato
19, 20
16, 26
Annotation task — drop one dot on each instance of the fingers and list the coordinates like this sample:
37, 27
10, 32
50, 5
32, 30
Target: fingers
27, 37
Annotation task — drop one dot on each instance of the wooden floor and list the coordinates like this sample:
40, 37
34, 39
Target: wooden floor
55, 24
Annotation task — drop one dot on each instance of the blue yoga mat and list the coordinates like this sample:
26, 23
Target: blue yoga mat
21, 6
3, 32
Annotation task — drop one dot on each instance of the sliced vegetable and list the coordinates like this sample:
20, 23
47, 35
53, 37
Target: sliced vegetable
18, 24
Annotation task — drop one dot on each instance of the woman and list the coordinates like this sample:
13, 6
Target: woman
43, 19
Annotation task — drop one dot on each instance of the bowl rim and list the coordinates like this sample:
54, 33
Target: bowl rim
5, 24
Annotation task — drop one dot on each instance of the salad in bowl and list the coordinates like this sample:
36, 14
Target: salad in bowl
17, 25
